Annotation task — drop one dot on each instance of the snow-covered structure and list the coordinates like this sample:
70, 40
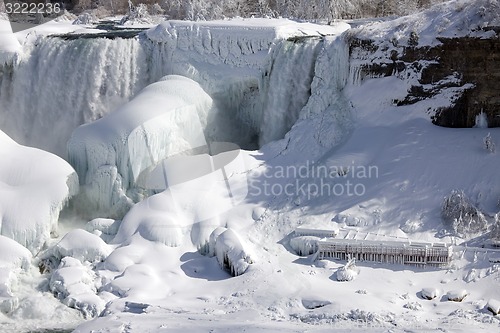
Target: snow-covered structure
404, 253
34, 187
304, 245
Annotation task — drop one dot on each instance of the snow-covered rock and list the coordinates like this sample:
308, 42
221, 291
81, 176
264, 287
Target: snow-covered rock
429, 293
75, 285
115, 154
34, 187
231, 253
456, 295
494, 306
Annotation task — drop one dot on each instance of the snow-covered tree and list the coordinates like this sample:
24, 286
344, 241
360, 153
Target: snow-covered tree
460, 216
489, 145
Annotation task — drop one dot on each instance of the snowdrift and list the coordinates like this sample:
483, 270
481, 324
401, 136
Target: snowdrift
34, 187
115, 154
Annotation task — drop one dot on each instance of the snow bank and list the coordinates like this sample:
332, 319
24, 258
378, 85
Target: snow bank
304, 245
231, 254
34, 187
115, 154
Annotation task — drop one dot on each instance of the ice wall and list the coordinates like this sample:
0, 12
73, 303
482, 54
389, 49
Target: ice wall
58, 84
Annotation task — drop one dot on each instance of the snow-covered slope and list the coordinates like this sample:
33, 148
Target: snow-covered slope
34, 187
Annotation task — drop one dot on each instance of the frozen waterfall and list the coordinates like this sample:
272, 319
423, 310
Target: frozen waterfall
60, 84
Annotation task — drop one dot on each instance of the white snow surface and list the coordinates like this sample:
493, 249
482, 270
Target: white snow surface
34, 187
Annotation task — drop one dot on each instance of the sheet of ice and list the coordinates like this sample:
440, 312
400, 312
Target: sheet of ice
34, 187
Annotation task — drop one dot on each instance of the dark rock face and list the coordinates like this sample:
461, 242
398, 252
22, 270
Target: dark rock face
473, 65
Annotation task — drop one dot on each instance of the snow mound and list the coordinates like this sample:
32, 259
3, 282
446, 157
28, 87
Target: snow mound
429, 293
115, 154
304, 245
494, 306
231, 254
83, 246
456, 295
34, 187
74, 284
